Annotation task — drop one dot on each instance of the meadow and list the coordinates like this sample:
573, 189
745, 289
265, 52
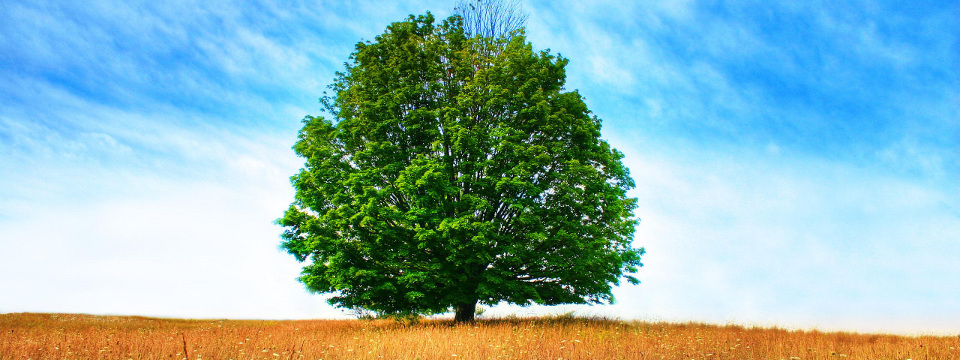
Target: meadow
73, 336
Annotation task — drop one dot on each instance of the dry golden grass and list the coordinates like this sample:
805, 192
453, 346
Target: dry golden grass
68, 336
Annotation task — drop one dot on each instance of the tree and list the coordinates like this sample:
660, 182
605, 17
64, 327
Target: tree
452, 177
491, 18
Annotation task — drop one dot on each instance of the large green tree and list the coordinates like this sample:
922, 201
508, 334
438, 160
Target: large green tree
455, 171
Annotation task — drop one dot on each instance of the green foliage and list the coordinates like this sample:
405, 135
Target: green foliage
458, 171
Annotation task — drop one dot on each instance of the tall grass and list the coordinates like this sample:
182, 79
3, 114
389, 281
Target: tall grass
69, 336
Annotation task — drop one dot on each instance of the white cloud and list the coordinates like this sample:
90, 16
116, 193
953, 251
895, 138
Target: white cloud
179, 249
81, 235
607, 72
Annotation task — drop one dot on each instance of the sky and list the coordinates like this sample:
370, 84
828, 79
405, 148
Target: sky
797, 163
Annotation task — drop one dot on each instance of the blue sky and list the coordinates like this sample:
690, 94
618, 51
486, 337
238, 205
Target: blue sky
797, 162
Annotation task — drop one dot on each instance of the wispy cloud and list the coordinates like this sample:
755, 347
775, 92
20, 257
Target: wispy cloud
840, 80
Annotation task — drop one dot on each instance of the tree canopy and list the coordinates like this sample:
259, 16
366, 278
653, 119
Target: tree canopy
451, 175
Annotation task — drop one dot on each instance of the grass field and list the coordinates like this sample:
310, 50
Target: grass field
70, 336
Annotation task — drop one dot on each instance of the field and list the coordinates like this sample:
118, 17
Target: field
70, 336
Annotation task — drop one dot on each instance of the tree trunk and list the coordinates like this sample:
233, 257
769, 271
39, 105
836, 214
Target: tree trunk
465, 312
